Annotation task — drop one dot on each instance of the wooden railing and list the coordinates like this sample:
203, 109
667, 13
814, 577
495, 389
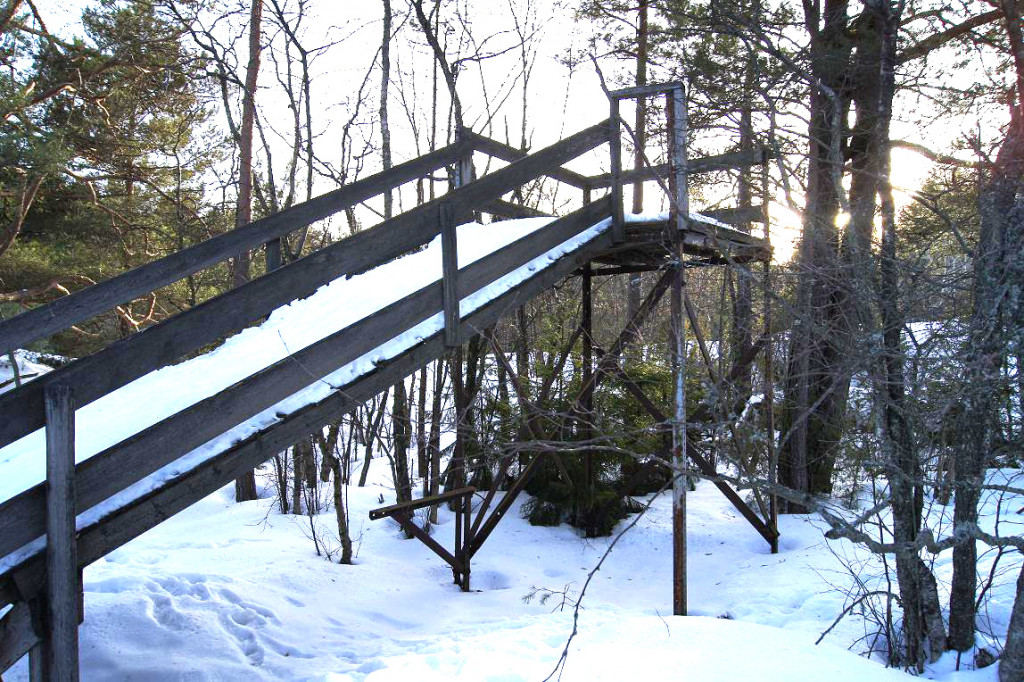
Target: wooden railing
167, 342
23, 518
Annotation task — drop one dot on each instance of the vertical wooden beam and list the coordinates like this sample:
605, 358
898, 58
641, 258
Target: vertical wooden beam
678, 181
467, 538
587, 350
769, 380
680, 205
464, 174
615, 143
272, 254
587, 195
464, 166
458, 465
460, 550
62, 579
449, 274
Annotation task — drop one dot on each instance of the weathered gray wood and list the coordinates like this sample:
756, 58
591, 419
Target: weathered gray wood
46, 320
704, 465
22, 518
467, 541
449, 275
406, 522
643, 90
17, 635
273, 254
506, 209
37, 664
735, 215
175, 495
500, 150
165, 343
413, 505
62, 588
615, 177
707, 164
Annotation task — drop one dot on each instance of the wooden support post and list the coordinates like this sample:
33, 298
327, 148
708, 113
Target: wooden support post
459, 464
460, 549
272, 253
587, 348
678, 181
62, 579
587, 194
615, 143
680, 201
449, 275
464, 173
37, 663
678, 348
467, 539
769, 381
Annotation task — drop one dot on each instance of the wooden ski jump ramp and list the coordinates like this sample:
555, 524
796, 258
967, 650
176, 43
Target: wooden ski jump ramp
322, 334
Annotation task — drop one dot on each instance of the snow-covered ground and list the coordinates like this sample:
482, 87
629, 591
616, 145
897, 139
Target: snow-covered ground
29, 367
229, 591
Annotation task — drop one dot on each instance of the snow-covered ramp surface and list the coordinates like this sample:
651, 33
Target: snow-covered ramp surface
337, 305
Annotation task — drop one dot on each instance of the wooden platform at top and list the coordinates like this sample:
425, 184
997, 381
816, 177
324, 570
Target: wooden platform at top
647, 246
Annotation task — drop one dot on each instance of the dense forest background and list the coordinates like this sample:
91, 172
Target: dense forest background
888, 333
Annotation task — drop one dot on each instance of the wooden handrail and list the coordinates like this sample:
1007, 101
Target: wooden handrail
61, 314
704, 164
22, 518
166, 342
99, 537
500, 150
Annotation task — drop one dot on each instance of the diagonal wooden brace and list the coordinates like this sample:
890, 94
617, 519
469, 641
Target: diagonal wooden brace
703, 464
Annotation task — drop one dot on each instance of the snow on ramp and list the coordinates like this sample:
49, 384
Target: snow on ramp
288, 329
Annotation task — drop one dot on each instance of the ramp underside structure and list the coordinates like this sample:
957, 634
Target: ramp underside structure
127, 475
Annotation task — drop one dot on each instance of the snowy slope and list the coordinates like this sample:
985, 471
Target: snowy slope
230, 591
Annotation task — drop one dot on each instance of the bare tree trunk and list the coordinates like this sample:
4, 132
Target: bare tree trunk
245, 485
642, 39
385, 80
817, 382
422, 461
442, 61
298, 475
1011, 663
400, 436
741, 336
341, 511
435, 435
995, 320
371, 431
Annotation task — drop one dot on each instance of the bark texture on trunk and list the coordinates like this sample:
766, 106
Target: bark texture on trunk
245, 485
817, 381
1011, 663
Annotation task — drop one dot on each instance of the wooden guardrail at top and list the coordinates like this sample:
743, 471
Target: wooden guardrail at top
704, 164
166, 342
